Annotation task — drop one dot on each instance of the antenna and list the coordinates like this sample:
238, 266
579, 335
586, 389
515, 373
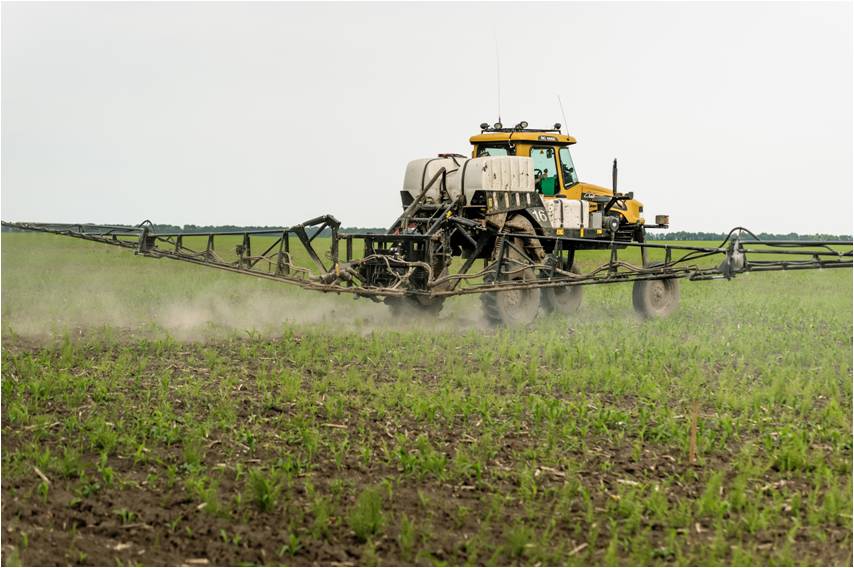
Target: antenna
498, 76
563, 114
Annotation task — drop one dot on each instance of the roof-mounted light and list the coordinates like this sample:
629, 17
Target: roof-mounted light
497, 125
557, 125
484, 125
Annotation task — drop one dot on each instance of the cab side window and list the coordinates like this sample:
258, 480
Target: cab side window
570, 177
545, 170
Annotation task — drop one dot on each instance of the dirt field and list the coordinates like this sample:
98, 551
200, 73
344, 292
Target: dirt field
340, 436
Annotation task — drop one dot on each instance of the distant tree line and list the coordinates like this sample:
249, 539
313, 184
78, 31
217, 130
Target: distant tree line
702, 236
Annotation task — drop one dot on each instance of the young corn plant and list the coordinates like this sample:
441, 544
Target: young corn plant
366, 517
264, 489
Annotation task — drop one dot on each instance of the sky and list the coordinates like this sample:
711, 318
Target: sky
721, 114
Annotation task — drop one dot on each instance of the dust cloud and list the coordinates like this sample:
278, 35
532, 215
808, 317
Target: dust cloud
216, 311
267, 313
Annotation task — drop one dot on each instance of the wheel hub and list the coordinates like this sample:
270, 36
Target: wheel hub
658, 293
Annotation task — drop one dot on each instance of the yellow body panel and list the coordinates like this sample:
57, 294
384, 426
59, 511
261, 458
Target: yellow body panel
524, 142
633, 207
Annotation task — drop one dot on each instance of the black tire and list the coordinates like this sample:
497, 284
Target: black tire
564, 300
512, 307
655, 298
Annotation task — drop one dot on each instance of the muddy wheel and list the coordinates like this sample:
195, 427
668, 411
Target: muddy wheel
512, 307
656, 298
565, 300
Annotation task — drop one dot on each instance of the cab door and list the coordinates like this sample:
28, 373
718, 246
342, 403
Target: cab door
567, 168
546, 178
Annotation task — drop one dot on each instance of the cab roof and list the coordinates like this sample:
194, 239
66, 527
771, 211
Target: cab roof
521, 135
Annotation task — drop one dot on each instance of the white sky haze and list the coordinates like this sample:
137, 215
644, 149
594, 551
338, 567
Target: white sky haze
721, 114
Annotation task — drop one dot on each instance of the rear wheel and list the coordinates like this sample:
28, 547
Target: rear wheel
513, 307
564, 300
